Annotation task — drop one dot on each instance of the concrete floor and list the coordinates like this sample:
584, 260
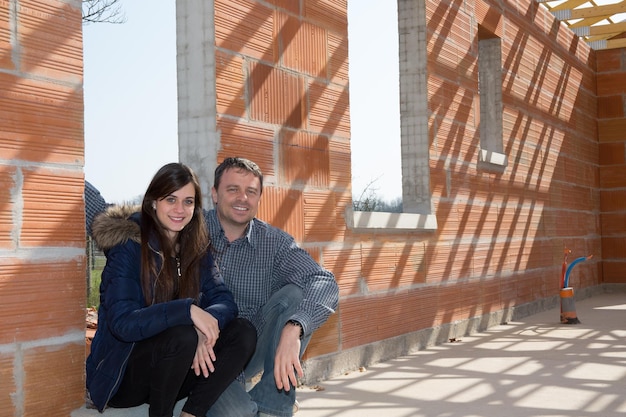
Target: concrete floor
534, 367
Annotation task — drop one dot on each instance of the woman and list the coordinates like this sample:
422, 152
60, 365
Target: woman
167, 326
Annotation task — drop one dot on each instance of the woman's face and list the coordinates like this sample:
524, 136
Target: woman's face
175, 211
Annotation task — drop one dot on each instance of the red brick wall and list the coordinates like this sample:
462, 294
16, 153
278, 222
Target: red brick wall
282, 101
611, 69
42, 236
501, 236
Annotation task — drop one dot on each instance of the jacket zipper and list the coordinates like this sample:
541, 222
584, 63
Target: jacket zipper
119, 376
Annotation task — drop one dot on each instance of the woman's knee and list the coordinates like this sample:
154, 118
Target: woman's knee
186, 334
183, 338
244, 332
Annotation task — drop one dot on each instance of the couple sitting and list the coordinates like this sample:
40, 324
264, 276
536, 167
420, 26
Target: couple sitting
191, 298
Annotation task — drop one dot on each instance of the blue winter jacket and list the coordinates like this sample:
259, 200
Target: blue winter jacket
123, 316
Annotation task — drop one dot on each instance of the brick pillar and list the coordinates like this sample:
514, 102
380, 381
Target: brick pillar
42, 229
612, 136
269, 81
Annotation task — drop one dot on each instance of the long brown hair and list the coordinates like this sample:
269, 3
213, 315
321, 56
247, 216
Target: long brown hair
158, 283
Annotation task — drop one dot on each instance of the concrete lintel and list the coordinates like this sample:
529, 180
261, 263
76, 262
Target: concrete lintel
494, 158
368, 220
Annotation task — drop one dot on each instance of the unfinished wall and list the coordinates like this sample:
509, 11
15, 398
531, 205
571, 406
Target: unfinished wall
502, 228
42, 229
269, 81
274, 89
611, 69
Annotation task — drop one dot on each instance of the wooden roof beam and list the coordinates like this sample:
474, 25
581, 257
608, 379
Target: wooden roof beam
569, 5
600, 30
585, 22
604, 12
608, 44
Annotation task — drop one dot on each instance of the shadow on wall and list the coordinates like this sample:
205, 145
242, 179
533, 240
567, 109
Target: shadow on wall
501, 234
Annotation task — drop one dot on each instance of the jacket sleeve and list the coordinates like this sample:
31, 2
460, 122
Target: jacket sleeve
215, 297
129, 319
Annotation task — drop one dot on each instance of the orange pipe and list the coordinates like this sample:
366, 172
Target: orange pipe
564, 267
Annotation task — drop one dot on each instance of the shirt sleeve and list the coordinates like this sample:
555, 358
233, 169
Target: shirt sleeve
320, 290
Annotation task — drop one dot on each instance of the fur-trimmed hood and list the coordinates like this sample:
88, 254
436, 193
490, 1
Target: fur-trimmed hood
116, 226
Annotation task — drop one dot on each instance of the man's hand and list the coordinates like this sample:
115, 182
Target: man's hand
287, 360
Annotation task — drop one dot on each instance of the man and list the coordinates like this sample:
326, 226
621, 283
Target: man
94, 205
277, 286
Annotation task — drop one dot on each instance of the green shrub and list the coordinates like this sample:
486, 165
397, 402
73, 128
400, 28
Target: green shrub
93, 298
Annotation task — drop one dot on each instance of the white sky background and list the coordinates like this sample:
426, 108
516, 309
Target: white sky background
131, 104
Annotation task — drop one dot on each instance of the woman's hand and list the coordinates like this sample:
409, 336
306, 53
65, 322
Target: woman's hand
208, 331
204, 357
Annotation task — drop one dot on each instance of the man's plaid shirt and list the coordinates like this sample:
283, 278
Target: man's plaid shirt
258, 264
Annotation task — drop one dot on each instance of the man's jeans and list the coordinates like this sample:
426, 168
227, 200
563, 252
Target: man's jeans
264, 397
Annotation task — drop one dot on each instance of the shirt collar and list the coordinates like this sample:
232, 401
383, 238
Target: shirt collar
216, 221
249, 234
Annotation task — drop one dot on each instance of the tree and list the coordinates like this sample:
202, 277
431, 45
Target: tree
370, 201
391, 206
103, 11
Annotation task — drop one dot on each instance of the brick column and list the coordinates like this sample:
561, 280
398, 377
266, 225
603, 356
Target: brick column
42, 222
611, 90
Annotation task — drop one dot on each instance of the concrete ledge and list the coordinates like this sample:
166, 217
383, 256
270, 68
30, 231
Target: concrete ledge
378, 220
141, 411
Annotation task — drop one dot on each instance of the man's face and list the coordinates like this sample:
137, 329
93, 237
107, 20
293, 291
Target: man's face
237, 199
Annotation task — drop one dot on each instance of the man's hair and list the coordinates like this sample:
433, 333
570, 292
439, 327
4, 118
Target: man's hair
239, 164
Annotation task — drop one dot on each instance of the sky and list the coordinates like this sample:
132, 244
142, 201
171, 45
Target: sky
131, 105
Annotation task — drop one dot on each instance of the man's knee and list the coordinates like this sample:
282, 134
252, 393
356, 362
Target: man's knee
290, 296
